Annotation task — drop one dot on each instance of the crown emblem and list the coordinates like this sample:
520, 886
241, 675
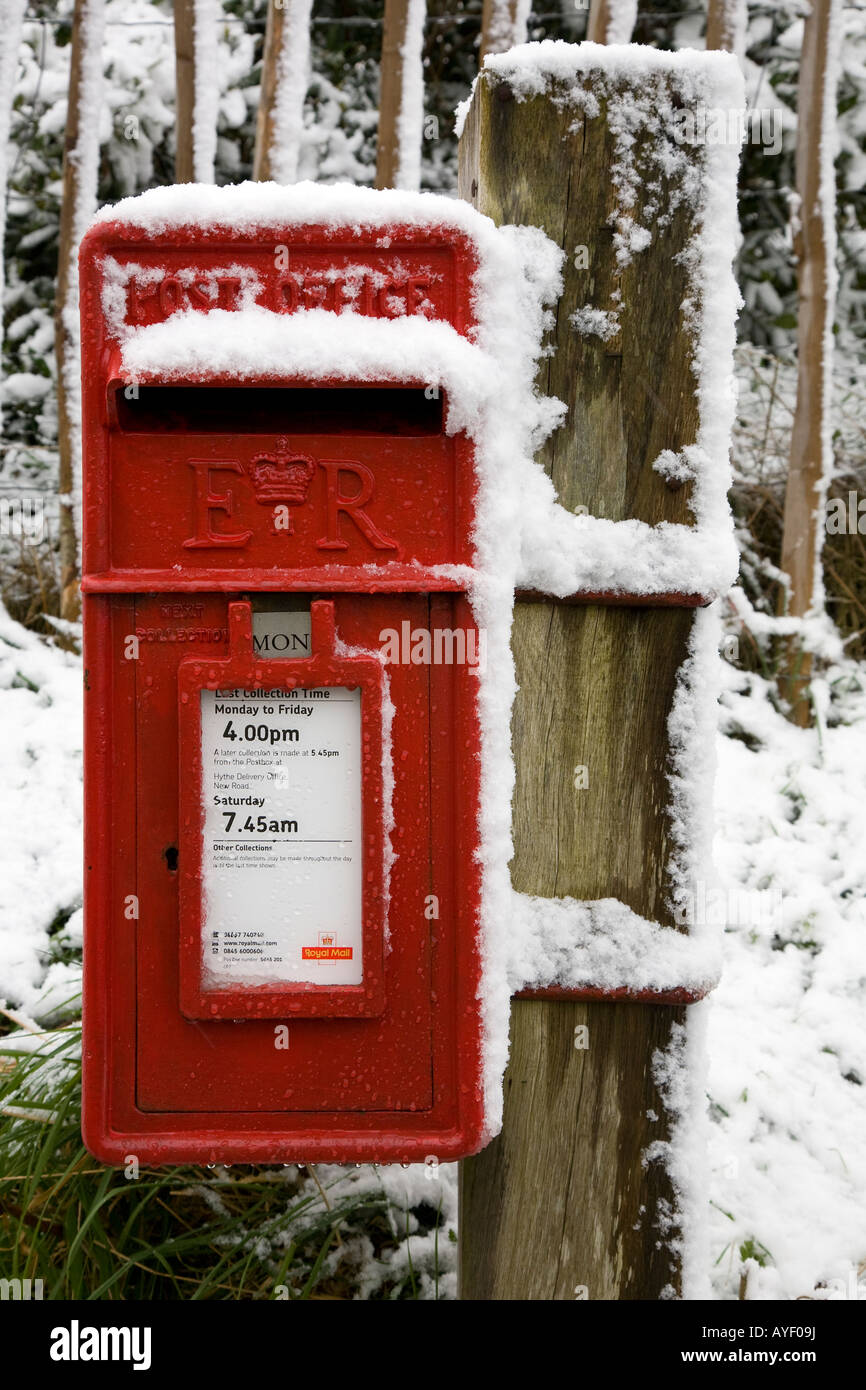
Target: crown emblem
327, 938
282, 476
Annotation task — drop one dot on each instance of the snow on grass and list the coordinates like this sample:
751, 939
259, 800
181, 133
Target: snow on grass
787, 1041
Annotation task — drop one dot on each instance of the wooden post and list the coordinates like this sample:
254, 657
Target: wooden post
815, 250
503, 24
195, 47
285, 78
399, 138
80, 169
10, 52
611, 21
561, 1202
184, 58
726, 24
267, 99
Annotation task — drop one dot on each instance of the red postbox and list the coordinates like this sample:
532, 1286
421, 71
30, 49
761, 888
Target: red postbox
282, 774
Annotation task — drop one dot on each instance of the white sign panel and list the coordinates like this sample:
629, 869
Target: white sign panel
282, 874
281, 635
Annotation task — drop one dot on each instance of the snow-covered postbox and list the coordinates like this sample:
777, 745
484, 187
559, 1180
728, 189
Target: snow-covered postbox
282, 774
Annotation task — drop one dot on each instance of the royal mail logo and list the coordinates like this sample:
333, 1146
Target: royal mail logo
283, 476
280, 480
327, 949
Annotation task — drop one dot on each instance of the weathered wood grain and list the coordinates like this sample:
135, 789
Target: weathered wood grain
561, 1201
633, 396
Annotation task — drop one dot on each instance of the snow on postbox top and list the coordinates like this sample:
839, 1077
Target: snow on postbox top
282, 386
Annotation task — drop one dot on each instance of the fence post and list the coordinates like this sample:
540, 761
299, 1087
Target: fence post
285, 79
561, 1205
184, 58
611, 21
267, 99
503, 24
78, 203
811, 458
401, 95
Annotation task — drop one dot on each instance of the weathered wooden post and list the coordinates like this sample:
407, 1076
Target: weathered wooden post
503, 24
611, 21
563, 1203
285, 79
270, 85
185, 61
80, 176
401, 95
195, 56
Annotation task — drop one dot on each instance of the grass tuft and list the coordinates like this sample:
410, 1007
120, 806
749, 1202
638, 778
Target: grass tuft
89, 1232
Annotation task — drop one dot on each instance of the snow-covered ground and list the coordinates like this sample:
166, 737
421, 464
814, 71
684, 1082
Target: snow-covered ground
40, 819
787, 1025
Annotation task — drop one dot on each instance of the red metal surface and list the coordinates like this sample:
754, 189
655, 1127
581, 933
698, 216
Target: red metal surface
391, 1072
409, 269
147, 491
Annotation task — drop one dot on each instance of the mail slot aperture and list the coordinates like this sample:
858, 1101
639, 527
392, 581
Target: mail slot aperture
392, 410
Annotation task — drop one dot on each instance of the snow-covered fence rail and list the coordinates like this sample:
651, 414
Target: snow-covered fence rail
612, 726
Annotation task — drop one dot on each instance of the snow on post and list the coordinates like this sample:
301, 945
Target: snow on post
292, 78
10, 44
611, 21
80, 178
614, 719
204, 127
401, 101
411, 121
195, 38
727, 22
504, 24
811, 462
